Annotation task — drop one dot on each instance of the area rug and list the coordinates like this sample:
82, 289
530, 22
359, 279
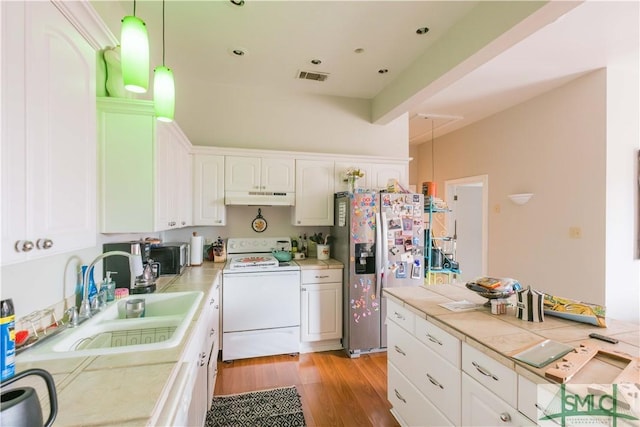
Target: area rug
280, 407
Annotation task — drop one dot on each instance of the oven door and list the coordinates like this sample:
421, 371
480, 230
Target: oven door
260, 300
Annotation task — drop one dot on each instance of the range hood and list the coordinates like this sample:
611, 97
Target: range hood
259, 198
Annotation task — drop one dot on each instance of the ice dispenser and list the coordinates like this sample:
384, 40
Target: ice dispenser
365, 258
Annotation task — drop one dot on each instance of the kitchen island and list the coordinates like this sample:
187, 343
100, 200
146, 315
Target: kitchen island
130, 388
470, 375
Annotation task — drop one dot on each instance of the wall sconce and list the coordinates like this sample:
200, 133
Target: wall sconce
134, 53
521, 198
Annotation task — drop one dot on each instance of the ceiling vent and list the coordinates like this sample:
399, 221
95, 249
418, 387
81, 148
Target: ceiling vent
313, 75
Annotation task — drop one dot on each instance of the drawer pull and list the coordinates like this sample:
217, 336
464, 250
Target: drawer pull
399, 350
434, 382
398, 315
322, 277
434, 339
505, 417
483, 371
399, 396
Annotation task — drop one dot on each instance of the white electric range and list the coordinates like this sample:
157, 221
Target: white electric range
260, 300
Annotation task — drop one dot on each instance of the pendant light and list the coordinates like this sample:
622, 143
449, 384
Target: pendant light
134, 43
164, 90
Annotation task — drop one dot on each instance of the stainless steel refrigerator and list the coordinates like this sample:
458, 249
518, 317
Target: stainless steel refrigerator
379, 237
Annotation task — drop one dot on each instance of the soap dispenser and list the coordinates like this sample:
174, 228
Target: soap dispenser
109, 286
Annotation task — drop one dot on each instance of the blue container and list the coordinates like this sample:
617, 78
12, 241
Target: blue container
8, 336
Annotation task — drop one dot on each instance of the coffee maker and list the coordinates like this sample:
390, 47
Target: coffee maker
146, 282
119, 266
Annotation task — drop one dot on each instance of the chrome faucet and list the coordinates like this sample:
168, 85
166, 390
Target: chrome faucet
135, 264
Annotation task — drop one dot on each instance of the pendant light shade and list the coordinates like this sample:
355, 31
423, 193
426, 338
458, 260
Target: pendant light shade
164, 93
134, 53
164, 90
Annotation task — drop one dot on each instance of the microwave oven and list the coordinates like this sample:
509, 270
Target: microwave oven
172, 257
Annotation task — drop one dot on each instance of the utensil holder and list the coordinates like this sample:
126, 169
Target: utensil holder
323, 252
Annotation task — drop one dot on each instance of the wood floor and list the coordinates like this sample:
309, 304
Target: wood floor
335, 390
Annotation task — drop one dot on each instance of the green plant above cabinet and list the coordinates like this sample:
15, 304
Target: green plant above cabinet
144, 169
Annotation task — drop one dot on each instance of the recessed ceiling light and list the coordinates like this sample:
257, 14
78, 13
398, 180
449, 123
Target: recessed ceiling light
383, 71
359, 50
422, 30
316, 61
237, 2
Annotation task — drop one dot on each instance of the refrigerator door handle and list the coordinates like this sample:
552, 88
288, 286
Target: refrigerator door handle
381, 253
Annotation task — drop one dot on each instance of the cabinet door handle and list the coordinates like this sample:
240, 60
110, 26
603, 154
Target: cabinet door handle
303, 289
44, 243
23, 245
212, 300
398, 315
399, 396
434, 339
434, 382
484, 371
399, 350
211, 332
505, 417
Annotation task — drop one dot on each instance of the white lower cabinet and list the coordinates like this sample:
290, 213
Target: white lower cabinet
438, 379
191, 393
410, 407
321, 305
483, 408
424, 388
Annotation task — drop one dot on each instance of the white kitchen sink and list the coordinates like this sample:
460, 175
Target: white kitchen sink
167, 318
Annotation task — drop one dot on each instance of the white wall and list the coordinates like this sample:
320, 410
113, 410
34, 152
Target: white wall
554, 146
263, 118
623, 208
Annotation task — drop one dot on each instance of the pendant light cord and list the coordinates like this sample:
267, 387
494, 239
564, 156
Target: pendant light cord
433, 159
134, 7
163, 33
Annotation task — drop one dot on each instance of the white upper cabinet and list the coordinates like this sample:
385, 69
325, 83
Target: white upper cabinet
376, 175
142, 165
48, 133
314, 193
208, 190
259, 174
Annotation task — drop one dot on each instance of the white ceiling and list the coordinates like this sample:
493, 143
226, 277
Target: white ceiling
280, 38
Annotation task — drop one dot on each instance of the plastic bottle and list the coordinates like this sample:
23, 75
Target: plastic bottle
109, 286
8, 337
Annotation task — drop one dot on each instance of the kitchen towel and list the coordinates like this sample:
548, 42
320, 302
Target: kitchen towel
196, 250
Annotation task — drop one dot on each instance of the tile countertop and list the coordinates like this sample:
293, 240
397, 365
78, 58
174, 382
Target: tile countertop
314, 263
119, 389
501, 336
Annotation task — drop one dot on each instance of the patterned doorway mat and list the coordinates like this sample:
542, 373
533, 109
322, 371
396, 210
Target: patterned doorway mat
279, 407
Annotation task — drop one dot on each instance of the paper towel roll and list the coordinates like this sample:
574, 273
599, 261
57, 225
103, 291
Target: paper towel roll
196, 250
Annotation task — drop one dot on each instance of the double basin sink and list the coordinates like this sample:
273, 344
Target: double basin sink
167, 317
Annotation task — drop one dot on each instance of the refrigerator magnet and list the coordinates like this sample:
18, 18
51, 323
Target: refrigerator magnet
401, 272
415, 271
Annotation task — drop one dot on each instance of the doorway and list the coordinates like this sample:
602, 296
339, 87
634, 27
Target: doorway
468, 200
